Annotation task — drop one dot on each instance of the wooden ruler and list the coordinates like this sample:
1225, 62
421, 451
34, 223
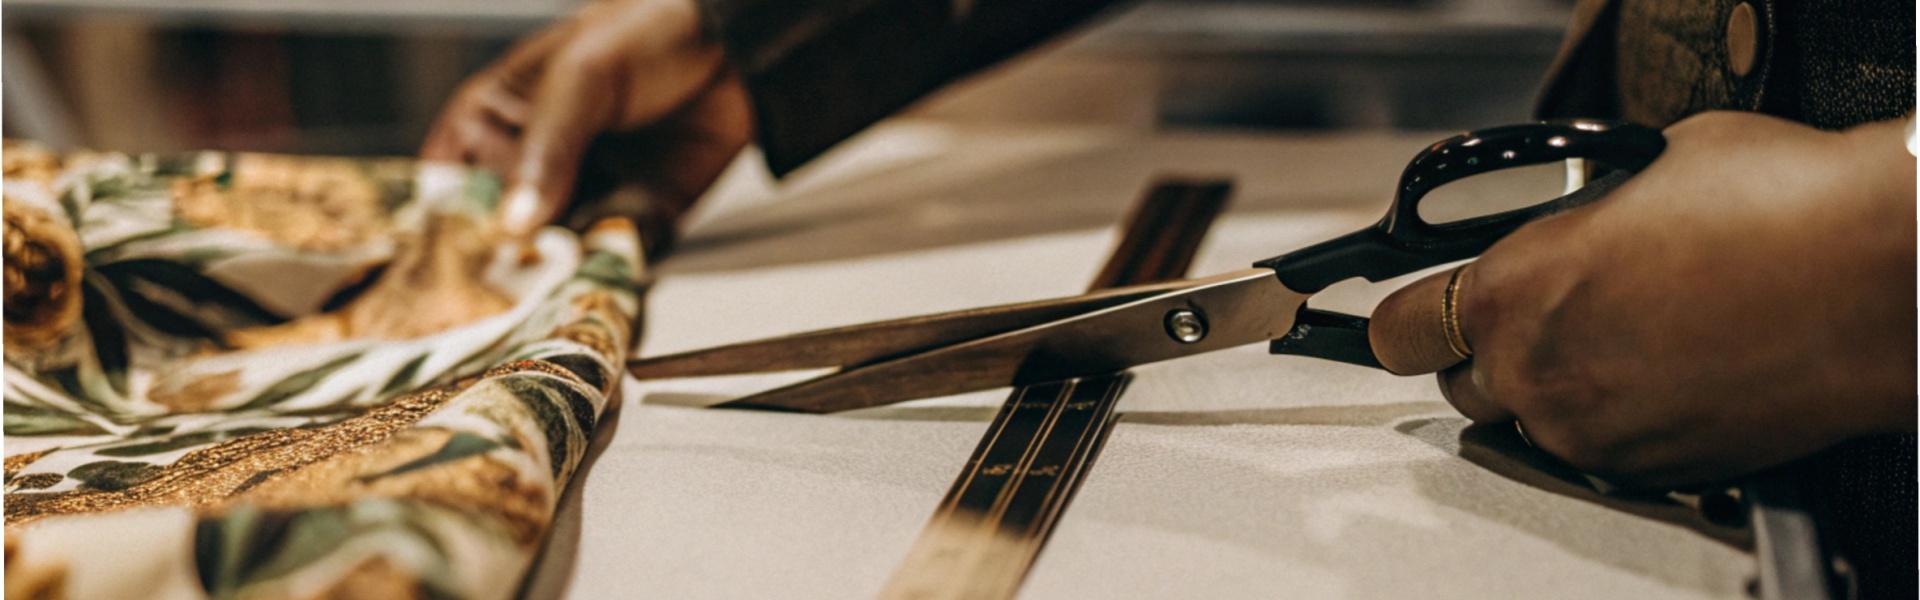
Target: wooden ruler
985, 535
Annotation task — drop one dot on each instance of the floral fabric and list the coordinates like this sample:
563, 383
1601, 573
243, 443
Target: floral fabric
251, 381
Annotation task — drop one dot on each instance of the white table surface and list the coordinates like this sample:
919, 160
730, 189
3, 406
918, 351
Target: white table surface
1232, 475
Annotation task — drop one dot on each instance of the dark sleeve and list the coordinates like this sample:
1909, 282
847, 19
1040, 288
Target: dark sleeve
819, 71
1580, 83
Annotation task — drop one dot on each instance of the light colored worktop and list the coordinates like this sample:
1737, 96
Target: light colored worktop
1232, 475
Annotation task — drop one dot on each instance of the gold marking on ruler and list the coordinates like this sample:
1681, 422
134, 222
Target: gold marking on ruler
972, 548
977, 547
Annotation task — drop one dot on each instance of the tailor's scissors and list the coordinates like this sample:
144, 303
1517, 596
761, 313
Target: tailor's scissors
1049, 340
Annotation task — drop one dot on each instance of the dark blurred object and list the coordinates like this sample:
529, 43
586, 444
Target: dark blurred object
352, 77
1401, 64
367, 76
1864, 494
122, 85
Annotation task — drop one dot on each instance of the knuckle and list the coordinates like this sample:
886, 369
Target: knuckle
471, 133
1585, 441
1459, 389
1585, 448
1475, 304
1494, 300
1511, 385
474, 88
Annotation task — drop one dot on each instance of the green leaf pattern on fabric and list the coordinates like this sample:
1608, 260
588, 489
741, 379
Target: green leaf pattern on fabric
81, 413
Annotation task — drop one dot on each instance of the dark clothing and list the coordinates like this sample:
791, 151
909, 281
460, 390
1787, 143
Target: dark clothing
1827, 63
821, 70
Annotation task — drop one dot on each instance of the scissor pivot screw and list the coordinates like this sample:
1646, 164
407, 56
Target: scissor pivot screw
1186, 325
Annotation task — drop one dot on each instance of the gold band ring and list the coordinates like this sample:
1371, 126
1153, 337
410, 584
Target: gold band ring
1450, 319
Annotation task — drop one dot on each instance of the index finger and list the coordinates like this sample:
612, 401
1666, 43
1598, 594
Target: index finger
520, 69
573, 103
1468, 394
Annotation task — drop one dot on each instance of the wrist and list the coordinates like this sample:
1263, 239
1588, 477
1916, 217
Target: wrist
1880, 156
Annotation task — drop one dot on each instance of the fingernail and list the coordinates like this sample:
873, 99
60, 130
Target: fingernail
519, 210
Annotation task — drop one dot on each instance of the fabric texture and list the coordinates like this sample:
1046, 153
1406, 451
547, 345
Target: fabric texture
1825, 63
1843, 63
293, 377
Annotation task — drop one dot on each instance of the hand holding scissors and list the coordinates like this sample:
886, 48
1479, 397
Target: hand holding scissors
951, 353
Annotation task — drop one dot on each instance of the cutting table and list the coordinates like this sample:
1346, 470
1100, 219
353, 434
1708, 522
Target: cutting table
1231, 475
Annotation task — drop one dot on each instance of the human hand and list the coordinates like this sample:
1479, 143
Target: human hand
642, 69
1743, 301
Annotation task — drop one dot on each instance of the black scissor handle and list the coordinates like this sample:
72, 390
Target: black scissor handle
1402, 242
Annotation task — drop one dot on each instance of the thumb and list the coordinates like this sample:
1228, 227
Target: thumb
574, 103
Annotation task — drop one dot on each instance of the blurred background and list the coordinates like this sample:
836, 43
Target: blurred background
366, 77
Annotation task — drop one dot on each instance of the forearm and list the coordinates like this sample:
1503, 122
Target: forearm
1874, 278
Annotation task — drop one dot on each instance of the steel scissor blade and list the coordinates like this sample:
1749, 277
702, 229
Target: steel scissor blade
856, 345
1238, 308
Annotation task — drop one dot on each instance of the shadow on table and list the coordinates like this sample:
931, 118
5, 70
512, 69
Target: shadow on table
1495, 448
552, 569
1499, 449
1359, 415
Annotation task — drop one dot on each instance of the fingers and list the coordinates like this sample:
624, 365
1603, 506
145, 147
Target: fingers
503, 106
443, 142
496, 96
1465, 384
614, 67
481, 124
574, 102
1418, 330
520, 69
530, 125
477, 128
1412, 331
1467, 393
483, 101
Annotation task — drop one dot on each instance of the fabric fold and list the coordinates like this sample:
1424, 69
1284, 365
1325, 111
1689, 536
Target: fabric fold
328, 458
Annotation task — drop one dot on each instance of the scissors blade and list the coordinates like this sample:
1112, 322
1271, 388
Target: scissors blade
855, 345
1233, 309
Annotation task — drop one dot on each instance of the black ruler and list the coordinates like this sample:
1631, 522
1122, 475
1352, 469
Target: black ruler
985, 535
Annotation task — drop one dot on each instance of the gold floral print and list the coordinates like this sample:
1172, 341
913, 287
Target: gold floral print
43, 270
198, 394
309, 203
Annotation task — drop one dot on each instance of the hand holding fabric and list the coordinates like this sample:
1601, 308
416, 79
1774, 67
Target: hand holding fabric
1744, 301
642, 70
